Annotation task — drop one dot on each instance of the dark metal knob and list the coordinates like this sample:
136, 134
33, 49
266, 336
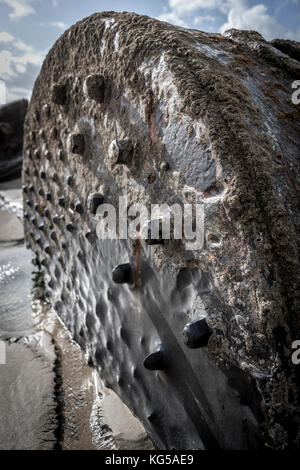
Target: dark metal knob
122, 274
197, 334
155, 361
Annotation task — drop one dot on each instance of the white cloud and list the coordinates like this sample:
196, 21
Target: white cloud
56, 24
186, 6
255, 18
5, 64
59, 24
173, 18
55, 3
20, 8
19, 66
228, 14
6, 37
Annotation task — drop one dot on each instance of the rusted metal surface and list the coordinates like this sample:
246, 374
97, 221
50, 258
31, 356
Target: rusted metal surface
196, 342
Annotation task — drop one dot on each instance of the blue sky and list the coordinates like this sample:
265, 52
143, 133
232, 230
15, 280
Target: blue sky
28, 28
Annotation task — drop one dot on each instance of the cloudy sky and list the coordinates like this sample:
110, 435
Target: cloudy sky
28, 28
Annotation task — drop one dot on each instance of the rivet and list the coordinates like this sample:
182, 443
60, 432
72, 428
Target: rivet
122, 274
69, 180
47, 213
61, 201
48, 155
53, 236
31, 188
48, 196
44, 262
94, 201
36, 173
59, 94
36, 154
48, 250
26, 215
155, 361
197, 334
36, 115
29, 203
42, 133
79, 208
42, 174
36, 207
27, 171
41, 192
46, 110
54, 133
90, 236
39, 241
41, 227
151, 178
77, 144
24, 188
164, 166
70, 227
55, 219
94, 86
61, 155
120, 152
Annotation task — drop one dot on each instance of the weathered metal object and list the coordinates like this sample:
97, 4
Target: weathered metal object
216, 108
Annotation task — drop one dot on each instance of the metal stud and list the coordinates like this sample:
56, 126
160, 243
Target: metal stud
77, 144
164, 166
36, 154
155, 361
59, 94
122, 274
61, 155
121, 152
48, 155
61, 201
42, 174
197, 334
79, 208
94, 86
70, 227
47, 213
48, 250
48, 196
94, 201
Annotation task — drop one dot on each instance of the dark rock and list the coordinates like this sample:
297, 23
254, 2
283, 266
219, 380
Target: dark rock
12, 117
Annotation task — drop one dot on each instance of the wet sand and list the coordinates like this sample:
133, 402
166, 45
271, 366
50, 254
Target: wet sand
50, 398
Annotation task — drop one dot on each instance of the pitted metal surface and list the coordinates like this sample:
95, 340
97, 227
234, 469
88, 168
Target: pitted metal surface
175, 332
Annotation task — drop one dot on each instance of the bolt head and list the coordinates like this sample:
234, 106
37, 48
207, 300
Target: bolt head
94, 201
94, 87
122, 274
155, 361
197, 334
59, 94
77, 144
